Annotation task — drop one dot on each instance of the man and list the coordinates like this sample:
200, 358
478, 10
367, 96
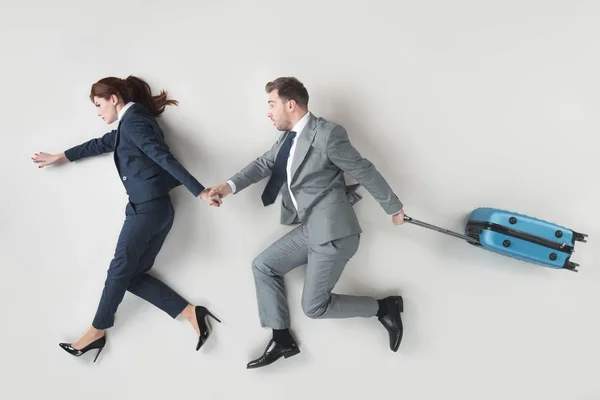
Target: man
306, 165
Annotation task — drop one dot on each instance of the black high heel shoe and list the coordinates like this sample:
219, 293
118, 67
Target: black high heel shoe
202, 315
96, 344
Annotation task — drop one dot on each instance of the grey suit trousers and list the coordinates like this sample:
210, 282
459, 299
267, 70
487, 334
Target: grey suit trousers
324, 266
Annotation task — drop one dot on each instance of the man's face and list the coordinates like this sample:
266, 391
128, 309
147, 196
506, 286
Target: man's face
279, 111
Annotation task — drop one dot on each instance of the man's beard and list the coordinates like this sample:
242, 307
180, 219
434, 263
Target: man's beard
284, 126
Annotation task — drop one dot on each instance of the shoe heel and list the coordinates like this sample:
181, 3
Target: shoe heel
211, 315
98, 353
400, 304
291, 353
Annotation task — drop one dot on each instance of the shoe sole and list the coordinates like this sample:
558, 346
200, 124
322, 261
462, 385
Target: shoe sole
291, 353
288, 354
400, 304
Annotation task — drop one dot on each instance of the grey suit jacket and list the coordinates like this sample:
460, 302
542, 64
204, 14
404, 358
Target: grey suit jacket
323, 153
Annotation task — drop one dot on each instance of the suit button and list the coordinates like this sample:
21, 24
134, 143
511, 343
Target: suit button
124, 178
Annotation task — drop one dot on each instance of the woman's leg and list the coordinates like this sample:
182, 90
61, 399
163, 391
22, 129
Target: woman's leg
137, 233
148, 287
142, 236
121, 270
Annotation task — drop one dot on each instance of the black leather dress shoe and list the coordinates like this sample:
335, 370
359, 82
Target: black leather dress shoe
273, 352
392, 320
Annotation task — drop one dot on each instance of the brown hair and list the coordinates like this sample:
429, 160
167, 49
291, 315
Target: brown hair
132, 89
289, 88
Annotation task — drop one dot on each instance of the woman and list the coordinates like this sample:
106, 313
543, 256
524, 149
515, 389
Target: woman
148, 171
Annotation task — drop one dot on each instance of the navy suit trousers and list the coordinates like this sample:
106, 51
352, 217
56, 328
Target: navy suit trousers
144, 231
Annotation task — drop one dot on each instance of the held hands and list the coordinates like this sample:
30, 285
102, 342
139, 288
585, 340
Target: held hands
45, 159
212, 200
215, 194
398, 219
221, 190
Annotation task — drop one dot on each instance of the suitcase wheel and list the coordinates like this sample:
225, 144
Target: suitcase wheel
580, 237
571, 266
476, 237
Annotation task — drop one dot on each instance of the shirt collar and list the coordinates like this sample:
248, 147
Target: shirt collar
301, 124
124, 109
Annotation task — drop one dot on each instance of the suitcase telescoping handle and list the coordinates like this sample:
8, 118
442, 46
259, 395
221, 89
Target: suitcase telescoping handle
441, 230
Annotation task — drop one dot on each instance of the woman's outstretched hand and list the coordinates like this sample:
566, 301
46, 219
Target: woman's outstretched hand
45, 159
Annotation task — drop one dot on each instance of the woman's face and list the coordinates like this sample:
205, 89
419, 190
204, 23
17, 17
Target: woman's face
107, 108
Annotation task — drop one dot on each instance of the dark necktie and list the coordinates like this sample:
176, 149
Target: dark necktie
278, 171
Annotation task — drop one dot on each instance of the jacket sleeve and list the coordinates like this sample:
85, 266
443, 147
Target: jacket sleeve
148, 137
257, 170
92, 147
343, 154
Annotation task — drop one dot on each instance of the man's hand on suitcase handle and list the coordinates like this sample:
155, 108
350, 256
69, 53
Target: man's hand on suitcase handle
398, 219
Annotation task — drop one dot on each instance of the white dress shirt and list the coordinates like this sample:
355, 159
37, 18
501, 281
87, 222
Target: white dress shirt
298, 129
125, 108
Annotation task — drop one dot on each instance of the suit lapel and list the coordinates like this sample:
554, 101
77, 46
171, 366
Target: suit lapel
128, 112
117, 136
115, 155
303, 145
132, 109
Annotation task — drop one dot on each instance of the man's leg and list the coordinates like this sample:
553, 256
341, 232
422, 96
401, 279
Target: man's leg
268, 268
325, 265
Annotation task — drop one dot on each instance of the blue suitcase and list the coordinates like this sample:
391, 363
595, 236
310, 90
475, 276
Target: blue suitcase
518, 236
